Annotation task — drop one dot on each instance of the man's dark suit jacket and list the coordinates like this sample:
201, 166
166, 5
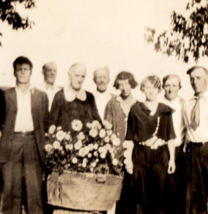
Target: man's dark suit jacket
39, 110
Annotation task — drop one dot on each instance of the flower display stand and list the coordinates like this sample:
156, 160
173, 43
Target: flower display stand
83, 191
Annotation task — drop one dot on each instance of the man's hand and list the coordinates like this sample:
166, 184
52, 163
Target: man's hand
171, 166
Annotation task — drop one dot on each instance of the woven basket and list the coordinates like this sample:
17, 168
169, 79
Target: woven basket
83, 191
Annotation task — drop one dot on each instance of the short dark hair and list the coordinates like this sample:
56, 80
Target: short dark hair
22, 60
123, 75
169, 76
153, 79
195, 67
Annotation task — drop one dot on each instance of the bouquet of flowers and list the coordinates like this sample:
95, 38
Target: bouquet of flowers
86, 166
95, 150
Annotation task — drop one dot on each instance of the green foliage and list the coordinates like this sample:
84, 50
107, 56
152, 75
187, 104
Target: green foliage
9, 14
188, 37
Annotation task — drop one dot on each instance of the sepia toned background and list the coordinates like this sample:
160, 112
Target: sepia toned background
96, 33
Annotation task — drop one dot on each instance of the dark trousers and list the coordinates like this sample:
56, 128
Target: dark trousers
22, 175
197, 178
178, 183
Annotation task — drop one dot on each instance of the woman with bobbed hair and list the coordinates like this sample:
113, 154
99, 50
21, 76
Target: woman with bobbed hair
117, 109
150, 128
116, 112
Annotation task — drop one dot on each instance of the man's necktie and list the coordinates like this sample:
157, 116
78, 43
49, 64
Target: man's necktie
195, 114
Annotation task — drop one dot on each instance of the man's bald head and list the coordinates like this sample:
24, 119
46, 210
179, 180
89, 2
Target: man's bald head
49, 71
101, 78
77, 73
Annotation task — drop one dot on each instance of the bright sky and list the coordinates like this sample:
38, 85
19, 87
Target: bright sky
96, 33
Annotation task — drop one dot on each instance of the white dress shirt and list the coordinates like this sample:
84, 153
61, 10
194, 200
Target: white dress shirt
101, 100
178, 123
201, 132
50, 91
24, 121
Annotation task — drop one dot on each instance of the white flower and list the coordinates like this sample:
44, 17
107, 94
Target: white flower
127, 154
103, 155
69, 146
81, 136
109, 132
107, 124
48, 148
60, 135
102, 149
96, 160
113, 136
86, 149
93, 164
78, 145
68, 136
102, 133
52, 129
108, 146
107, 139
116, 142
89, 125
76, 125
126, 144
56, 144
60, 148
82, 152
112, 149
59, 128
85, 160
84, 164
90, 146
96, 124
74, 160
95, 146
89, 155
115, 162
93, 133
95, 153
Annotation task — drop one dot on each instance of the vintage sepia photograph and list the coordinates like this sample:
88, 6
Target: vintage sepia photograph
103, 106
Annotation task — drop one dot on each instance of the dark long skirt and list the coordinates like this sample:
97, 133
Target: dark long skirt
178, 183
151, 183
197, 178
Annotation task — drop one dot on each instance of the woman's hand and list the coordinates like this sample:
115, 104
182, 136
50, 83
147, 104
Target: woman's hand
171, 166
159, 142
129, 166
151, 141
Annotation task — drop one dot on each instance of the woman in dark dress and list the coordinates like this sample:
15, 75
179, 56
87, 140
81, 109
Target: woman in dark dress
151, 129
73, 103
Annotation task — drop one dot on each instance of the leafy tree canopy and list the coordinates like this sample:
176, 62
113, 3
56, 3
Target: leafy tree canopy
9, 14
188, 36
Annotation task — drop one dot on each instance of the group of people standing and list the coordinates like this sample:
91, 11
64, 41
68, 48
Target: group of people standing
167, 161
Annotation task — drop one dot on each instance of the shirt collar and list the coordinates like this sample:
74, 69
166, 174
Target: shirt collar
30, 89
176, 100
98, 94
71, 94
47, 86
204, 96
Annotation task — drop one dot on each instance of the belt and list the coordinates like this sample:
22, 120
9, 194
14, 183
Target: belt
24, 133
197, 144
